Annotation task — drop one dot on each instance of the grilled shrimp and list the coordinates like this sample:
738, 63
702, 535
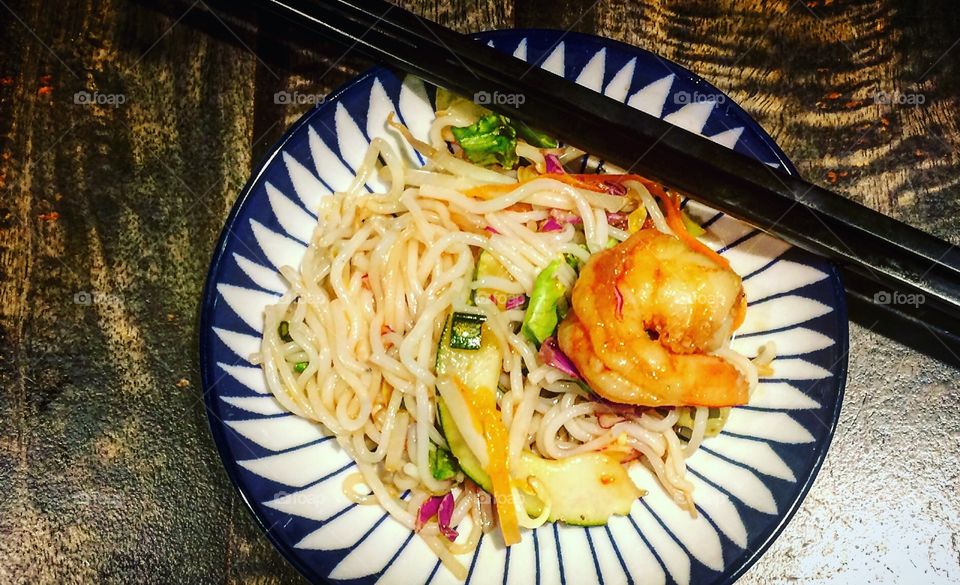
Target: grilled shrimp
646, 315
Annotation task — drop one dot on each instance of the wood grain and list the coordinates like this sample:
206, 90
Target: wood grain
109, 213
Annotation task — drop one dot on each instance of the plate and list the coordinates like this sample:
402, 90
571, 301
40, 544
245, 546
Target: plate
748, 481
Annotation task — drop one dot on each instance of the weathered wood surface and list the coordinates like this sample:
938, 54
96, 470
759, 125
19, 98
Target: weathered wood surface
108, 215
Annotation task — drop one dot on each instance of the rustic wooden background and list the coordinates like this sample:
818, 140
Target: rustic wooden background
109, 212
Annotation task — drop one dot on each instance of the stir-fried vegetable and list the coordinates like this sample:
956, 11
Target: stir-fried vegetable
442, 508
442, 464
547, 301
636, 219
551, 225
427, 510
478, 369
584, 489
299, 367
574, 261
515, 302
716, 418
674, 216
683, 227
490, 140
693, 228
283, 330
618, 220
445, 516
466, 329
475, 367
483, 408
489, 267
551, 355
553, 164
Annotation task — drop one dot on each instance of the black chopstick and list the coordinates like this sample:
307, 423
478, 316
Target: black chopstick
889, 253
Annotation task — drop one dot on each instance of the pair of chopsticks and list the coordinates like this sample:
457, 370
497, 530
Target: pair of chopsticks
893, 256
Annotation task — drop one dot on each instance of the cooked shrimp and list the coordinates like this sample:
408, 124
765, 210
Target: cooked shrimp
646, 315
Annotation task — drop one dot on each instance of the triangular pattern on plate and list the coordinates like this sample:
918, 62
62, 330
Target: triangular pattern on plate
262, 405
279, 433
301, 466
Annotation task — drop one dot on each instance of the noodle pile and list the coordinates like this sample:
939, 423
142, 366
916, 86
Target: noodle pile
366, 308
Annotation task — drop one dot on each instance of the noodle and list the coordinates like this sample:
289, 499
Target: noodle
363, 315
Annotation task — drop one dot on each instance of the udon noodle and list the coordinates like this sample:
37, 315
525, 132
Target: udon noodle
366, 308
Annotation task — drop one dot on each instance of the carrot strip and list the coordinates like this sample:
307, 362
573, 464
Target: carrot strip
588, 182
671, 205
594, 182
483, 406
490, 191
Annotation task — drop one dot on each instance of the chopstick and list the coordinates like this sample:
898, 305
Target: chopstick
889, 253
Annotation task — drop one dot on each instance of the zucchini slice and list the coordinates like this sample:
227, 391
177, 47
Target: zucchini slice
466, 330
476, 368
584, 490
488, 266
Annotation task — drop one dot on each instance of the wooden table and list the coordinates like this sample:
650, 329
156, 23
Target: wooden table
109, 208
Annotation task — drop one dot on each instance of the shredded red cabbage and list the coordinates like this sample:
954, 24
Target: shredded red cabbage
618, 220
442, 508
445, 515
515, 301
551, 355
551, 225
492, 229
427, 511
614, 188
553, 164
565, 216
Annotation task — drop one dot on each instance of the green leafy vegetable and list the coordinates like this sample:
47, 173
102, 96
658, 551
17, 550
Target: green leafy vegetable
547, 301
490, 140
442, 464
299, 367
493, 140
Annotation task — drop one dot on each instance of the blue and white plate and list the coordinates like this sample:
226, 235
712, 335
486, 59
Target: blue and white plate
749, 480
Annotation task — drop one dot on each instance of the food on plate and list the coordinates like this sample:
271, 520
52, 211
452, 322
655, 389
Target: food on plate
497, 341
647, 315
